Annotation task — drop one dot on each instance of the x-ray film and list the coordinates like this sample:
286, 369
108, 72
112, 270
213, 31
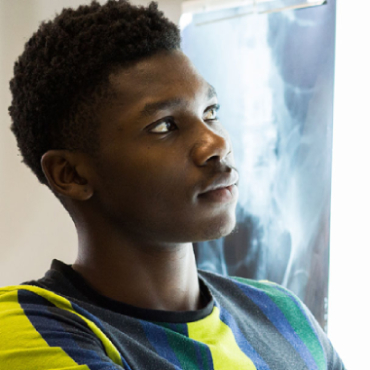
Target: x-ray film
274, 74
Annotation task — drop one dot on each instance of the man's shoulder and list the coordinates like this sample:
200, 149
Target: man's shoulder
248, 286
273, 300
268, 306
46, 330
19, 301
28, 293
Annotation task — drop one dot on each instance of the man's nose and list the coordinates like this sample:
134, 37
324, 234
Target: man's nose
213, 145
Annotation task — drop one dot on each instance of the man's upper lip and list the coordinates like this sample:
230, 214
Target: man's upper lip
223, 180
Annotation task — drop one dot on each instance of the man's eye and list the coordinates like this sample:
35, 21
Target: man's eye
211, 114
164, 126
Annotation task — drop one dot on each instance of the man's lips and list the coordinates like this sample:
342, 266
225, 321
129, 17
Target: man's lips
222, 181
226, 194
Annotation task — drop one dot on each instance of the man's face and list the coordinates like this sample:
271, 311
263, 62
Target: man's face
161, 146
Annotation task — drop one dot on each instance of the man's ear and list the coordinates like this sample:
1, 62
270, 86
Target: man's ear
67, 173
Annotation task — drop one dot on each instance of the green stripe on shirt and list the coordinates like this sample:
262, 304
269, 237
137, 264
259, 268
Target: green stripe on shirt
294, 315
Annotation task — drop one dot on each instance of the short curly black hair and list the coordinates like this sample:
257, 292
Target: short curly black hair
62, 75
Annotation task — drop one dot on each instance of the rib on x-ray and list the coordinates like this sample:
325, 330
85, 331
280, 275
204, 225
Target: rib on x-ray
274, 74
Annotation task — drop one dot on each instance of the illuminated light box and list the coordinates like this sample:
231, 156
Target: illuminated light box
272, 64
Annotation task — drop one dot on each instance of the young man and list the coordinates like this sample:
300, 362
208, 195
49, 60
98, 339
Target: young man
114, 119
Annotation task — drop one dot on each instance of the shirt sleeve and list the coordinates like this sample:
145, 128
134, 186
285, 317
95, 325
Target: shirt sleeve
40, 330
332, 358
299, 321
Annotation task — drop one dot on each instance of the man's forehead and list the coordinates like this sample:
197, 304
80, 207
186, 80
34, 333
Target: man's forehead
160, 82
152, 107
161, 69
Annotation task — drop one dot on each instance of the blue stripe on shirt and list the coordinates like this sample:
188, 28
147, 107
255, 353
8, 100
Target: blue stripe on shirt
60, 328
240, 339
274, 314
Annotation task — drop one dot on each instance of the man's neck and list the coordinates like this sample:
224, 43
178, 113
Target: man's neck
148, 276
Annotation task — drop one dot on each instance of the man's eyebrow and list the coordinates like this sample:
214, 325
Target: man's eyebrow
211, 92
151, 108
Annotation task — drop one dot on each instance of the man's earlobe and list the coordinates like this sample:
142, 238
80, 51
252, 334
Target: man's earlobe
66, 174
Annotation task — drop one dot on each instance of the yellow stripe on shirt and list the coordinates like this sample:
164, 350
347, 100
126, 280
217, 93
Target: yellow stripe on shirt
21, 345
60, 302
226, 353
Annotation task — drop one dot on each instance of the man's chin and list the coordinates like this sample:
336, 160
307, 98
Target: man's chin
218, 229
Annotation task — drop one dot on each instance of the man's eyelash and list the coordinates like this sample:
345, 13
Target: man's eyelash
170, 120
216, 108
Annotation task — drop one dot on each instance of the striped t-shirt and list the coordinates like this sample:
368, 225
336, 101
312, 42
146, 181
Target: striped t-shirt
59, 322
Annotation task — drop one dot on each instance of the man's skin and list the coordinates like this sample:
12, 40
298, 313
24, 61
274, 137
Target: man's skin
137, 209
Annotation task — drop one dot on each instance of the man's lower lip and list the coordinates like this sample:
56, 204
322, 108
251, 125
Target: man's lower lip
220, 195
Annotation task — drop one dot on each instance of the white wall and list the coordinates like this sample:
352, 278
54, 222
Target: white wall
34, 228
349, 323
